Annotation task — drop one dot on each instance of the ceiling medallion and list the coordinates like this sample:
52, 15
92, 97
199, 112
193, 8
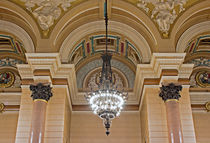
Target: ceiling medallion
106, 99
164, 12
203, 79
207, 106
6, 79
47, 11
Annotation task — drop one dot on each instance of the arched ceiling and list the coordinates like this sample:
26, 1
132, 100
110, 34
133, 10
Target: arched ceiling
137, 29
152, 25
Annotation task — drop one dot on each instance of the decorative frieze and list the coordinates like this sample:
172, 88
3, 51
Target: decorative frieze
200, 62
10, 62
170, 91
41, 91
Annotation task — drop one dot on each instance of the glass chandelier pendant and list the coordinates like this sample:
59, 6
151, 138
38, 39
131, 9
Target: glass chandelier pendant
107, 100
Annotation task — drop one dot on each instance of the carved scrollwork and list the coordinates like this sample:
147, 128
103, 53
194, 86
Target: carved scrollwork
170, 91
41, 91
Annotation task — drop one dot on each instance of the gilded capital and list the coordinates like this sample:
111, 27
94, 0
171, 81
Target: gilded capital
41, 91
170, 91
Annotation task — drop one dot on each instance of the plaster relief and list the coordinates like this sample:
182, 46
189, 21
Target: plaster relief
163, 12
47, 11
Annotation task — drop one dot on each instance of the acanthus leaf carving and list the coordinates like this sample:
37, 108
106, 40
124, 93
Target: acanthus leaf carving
41, 91
170, 91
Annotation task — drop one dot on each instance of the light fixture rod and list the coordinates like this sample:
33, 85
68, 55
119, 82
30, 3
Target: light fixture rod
106, 23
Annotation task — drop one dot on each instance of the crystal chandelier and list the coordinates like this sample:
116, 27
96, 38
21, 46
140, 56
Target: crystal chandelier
107, 100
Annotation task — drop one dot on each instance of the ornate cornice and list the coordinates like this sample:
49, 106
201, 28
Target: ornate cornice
170, 91
41, 91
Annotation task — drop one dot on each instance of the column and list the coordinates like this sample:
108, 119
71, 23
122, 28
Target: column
41, 94
170, 95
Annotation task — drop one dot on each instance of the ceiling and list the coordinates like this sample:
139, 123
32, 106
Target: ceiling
75, 29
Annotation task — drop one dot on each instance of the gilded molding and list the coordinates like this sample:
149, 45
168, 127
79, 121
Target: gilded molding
42, 100
207, 106
2, 106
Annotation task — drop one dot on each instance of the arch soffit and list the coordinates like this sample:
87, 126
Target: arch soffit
20, 33
72, 14
21, 13
182, 23
114, 26
11, 17
140, 15
91, 9
138, 26
195, 19
190, 33
93, 18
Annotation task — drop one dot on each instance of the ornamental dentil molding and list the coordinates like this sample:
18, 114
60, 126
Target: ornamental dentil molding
47, 11
163, 13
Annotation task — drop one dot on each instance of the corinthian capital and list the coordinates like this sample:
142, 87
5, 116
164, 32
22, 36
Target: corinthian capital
41, 91
170, 91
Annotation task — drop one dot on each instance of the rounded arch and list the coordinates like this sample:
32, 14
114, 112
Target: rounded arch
140, 16
192, 16
190, 33
20, 13
114, 26
20, 33
82, 10
91, 11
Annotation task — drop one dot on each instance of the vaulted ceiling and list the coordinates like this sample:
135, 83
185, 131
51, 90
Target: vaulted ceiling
75, 29
152, 25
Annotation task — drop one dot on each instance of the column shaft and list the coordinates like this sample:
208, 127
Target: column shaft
174, 121
38, 121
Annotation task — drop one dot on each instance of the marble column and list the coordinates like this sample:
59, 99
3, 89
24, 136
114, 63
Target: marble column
41, 94
170, 95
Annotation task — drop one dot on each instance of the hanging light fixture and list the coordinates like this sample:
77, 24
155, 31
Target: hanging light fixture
107, 100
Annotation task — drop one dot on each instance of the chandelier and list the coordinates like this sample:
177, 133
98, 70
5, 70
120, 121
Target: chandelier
107, 99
